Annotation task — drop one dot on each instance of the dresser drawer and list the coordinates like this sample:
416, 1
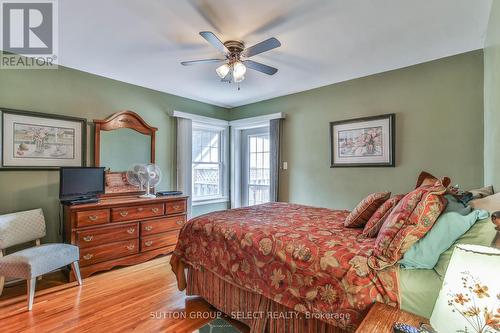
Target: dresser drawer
99, 236
92, 255
176, 207
136, 212
160, 240
92, 217
162, 225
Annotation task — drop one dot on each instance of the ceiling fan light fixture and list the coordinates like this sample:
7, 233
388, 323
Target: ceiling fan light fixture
233, 69
223, 70
239, 70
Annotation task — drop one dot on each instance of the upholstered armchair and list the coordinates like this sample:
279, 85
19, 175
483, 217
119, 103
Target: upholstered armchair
28, 264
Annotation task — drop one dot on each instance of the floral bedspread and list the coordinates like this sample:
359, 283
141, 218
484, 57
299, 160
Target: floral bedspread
299, 256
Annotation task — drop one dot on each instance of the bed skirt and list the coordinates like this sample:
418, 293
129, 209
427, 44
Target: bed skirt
258, 312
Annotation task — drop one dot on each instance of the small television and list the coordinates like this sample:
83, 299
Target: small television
80, 183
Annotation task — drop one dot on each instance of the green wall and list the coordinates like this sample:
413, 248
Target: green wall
75, 93
439, 117
439, 107
492, 100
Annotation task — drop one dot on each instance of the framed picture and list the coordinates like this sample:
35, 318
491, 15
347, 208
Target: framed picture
363, 142
32, 140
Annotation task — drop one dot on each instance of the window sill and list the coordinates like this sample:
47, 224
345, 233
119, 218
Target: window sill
210, 201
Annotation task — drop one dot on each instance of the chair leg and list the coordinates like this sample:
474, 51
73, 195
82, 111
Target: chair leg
76, 271
31, 292
38, 243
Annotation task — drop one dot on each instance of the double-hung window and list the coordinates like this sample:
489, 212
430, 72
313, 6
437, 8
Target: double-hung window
208, 167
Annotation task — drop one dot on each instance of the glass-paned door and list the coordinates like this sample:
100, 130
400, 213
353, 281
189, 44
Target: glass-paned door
255, 166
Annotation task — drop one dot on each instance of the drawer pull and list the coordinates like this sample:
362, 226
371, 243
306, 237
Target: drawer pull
93, 217
148, 243
88, 256
155, 210
148, 228
123, 213
88, 238
130, 231
140, 209
180, 222
177, 207
130, 247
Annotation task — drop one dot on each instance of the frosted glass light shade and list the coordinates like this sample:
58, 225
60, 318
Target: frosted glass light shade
223, 70
469, 300
239, 71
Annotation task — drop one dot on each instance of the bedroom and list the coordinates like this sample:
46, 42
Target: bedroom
434, 65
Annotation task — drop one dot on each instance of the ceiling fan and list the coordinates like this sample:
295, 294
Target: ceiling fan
235, 54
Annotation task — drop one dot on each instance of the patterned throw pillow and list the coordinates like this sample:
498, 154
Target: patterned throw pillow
378, 218
409, 221
426, 179
365, 209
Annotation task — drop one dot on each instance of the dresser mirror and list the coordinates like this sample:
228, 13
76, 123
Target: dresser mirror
122, 140
124, 147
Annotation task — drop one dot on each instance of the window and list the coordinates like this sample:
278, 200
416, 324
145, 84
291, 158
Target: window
259, 169
208, 162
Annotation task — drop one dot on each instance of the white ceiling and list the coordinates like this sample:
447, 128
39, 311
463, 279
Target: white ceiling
323, 41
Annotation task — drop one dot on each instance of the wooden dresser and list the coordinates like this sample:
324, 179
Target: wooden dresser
121, 231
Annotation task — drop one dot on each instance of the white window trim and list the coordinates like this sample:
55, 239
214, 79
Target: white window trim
254, 122
202, 119
214, 124
210, 201
236, 127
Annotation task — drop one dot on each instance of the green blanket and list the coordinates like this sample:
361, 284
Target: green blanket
419, 288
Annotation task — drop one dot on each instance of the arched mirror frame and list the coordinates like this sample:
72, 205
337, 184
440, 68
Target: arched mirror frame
122, 119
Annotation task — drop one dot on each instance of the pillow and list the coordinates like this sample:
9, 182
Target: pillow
482, 233
460, 195
454, 205
490, 203
365, 209
426, 179
375, 222
409, 221
482, 192
448, 228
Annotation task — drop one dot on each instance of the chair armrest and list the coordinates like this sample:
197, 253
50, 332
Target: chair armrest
495, 217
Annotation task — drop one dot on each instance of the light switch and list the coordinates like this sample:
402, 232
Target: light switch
285, 165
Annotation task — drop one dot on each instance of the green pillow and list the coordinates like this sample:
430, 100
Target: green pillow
447, 229
482, 233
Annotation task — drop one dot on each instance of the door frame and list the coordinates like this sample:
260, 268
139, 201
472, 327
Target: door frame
236, 126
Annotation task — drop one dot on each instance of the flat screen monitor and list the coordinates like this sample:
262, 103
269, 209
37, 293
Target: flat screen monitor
80, 182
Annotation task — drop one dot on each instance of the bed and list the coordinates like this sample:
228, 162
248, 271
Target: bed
283, 267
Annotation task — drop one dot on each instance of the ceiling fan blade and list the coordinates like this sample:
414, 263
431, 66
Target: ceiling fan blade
204, 61
214, 41
260, 67
264, 46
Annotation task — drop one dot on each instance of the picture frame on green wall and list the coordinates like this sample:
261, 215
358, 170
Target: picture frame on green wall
363, 142
41, 141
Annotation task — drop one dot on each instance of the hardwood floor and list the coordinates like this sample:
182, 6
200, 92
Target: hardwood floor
141, 298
